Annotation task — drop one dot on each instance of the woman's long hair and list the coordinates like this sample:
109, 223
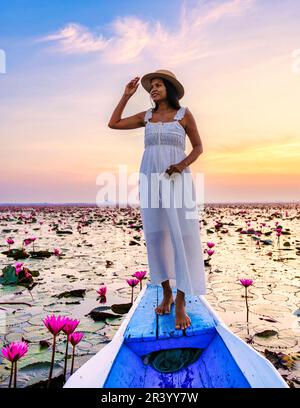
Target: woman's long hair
172, 96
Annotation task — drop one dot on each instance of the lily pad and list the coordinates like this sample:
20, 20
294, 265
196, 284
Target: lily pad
36, 334
121, 308
16, 254
266, 333
9, 276
90, 326
113, 321
98, 314
72, 293
40, 254
35, 373
266, 241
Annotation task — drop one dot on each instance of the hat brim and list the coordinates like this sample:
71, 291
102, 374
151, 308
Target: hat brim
146, 82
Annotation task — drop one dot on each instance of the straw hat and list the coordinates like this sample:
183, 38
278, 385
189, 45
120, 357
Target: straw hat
162, 73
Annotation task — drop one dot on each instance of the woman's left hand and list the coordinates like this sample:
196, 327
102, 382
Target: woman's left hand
175, 168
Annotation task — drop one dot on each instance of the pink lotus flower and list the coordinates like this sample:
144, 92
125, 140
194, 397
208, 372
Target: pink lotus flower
10, 241
19, 267
132, 282
27, 241
210, 252
68, 329
57, 251
70, 325
55, 324
102, 291
18, 270
246, 282
74, 339
14, 351
140, 274
18, 264
210, 244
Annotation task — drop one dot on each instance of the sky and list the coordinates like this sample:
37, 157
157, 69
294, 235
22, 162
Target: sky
67, 63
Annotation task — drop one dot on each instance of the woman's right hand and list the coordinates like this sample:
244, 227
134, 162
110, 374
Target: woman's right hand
131, 87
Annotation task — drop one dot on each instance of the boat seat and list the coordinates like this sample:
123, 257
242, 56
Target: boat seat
147, 332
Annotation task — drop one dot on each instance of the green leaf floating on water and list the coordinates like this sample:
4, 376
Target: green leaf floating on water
9, 276
113, 321
16, 254
266, 333
37, 354
98, 314
40, 254
37, 372
71, 293
121, 308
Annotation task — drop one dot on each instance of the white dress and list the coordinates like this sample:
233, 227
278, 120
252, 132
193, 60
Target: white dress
170, 220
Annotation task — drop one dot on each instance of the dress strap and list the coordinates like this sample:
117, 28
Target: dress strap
180, 113
148, 115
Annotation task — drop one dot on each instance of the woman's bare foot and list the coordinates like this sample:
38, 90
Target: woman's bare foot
182, 319
165, 306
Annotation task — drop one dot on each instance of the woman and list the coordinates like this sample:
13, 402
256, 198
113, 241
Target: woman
172, 238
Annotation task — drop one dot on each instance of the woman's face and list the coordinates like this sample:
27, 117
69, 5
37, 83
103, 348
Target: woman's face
158, 90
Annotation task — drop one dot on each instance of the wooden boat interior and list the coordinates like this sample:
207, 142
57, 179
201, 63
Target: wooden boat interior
148, 333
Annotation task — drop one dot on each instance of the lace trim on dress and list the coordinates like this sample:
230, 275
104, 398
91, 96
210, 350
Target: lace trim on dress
179, 115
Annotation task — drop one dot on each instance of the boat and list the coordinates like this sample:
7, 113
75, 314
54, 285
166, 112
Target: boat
148, 351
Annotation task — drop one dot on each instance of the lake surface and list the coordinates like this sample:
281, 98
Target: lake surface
99, 235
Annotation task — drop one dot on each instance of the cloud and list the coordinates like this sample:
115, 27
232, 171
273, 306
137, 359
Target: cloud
132, 38
75, 38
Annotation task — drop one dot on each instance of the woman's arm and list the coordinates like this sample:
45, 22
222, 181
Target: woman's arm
193, 134
131, 122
